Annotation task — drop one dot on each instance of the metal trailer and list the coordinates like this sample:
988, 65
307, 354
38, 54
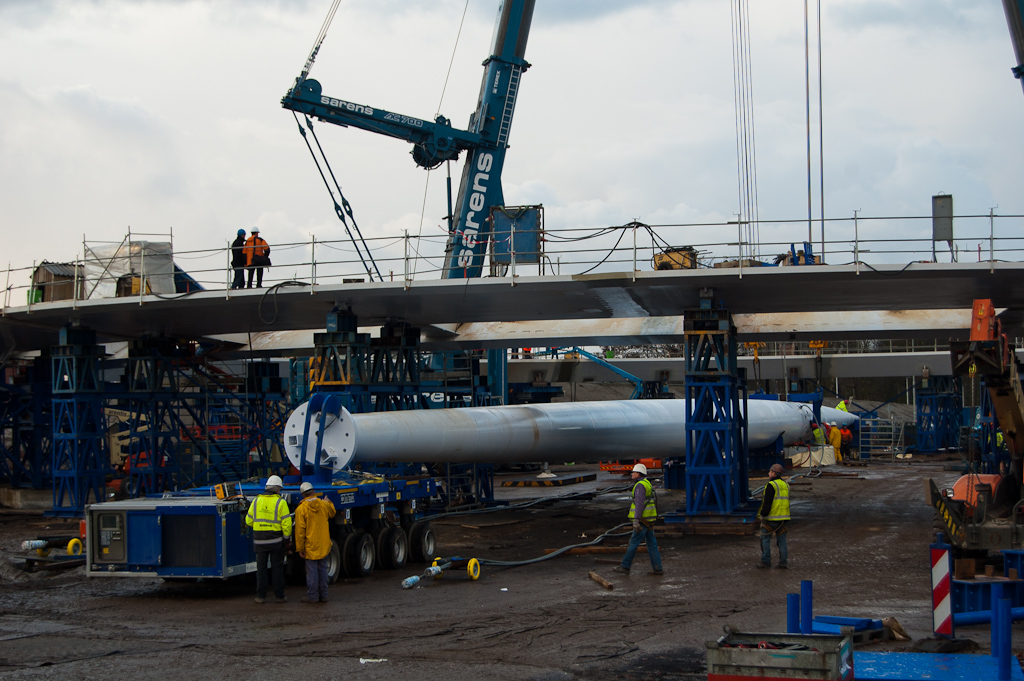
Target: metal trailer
200, 535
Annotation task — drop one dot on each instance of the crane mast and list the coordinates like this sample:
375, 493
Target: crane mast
480, 188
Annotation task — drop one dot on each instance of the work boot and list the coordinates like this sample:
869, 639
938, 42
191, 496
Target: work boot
783, 566
282, 599
324, 599
307, 599
763, 566
261, 600
656, 573
621, 570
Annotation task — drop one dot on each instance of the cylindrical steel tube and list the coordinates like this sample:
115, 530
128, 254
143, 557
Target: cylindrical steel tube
565, 431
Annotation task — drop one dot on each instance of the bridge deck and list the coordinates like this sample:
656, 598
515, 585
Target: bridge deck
603, 296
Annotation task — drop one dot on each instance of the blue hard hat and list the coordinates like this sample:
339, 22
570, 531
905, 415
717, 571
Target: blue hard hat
241, 232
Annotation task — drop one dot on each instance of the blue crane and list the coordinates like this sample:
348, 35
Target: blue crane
1014, 11
435, 142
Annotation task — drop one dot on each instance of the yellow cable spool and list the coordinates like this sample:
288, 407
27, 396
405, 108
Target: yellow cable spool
473, 569
75, 547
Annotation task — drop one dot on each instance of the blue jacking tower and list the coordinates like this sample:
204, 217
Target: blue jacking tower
80, 462
939, 414
715, 402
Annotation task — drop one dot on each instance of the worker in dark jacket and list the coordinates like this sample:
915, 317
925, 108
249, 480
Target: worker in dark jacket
643, 512
238, 260
257, 253
774, 514
271, 524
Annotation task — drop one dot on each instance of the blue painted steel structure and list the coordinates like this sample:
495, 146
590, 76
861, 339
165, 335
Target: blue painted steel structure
80, 463
715, 396
939, 414
26, 425
435, 142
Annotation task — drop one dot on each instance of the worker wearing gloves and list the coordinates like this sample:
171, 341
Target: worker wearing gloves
835, 438
774, 514
643, 511
257, 254
313, 541
239, 260
271, 525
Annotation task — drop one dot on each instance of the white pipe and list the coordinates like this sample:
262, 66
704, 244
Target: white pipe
564, 431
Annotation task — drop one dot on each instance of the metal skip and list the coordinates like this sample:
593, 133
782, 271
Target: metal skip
565, 431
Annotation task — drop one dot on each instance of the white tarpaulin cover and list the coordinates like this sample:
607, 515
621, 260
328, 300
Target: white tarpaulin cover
104, 265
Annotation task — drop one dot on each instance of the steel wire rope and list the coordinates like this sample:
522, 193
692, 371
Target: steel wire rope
344, 202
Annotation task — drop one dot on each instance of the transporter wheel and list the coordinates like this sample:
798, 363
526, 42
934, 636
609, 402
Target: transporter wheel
334, 567
75, 547
358, 555
473, 569
380, 540
396, 550
422, 542
43, 552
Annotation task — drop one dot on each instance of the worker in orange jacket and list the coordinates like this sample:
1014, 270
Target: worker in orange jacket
257, 256
847, 437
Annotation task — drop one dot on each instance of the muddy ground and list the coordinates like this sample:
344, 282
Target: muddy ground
862, 539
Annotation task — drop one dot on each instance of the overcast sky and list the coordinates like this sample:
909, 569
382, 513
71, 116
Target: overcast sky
165, 115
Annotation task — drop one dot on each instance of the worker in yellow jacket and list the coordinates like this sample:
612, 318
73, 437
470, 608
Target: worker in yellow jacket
271, 525
313, 541
835, 438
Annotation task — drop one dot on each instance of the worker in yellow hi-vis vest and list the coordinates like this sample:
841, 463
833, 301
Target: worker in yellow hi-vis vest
774, 514
643, 512
271, 525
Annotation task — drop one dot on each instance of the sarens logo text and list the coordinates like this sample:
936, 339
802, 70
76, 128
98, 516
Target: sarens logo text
476, 204
348, 106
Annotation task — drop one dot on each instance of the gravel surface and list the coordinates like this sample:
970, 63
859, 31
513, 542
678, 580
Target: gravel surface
860, 534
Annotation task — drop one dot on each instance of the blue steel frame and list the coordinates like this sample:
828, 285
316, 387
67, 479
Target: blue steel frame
26, 425
80, 463
715, 404
939, 414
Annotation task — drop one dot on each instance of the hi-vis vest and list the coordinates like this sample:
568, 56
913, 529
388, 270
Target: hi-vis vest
650, 512
268, 517
780, 503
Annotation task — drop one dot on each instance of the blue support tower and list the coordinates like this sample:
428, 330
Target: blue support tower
80, 463
939, 414
715, 404
26, 425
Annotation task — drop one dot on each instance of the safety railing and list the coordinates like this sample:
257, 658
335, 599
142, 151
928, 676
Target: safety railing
861, 241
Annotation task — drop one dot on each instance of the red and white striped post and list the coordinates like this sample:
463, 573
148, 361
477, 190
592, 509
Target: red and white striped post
942, 583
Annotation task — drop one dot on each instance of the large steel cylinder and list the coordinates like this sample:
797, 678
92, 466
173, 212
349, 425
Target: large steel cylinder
565, 431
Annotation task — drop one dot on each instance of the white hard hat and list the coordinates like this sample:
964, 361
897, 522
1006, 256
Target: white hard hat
274, 481
833, 423
640, 468
255, 230
306, 487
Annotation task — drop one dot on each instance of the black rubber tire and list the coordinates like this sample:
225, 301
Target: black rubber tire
334, 566
380, 545
358, 555
422, 542
396, 550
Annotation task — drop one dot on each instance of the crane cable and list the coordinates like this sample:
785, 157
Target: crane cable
345, 207
426, 183
746, 156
